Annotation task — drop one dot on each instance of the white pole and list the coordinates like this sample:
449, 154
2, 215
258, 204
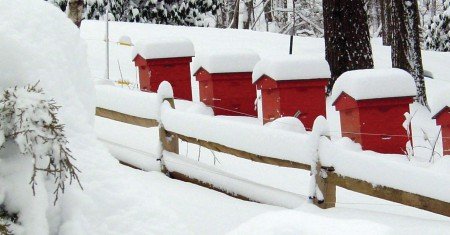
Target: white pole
107, 42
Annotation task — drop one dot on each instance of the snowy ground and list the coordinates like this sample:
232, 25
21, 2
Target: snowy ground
354, 212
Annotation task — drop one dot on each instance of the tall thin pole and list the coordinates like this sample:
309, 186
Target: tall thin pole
293, 28
107, 42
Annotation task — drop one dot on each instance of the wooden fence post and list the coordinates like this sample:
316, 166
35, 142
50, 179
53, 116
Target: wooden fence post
327, 188
169, 142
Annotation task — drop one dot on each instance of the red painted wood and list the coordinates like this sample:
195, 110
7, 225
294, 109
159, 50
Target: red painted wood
443, 119
176, 71
285, 98
231, 94
376, 123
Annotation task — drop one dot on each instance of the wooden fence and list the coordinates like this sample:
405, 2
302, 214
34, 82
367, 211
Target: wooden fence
327, 185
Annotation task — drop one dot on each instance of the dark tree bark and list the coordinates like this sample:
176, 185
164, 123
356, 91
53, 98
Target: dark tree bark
347, 40
386, 10
76, 11
235, 22
405, 46
249, 6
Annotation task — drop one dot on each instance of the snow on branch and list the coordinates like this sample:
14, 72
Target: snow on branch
30, 120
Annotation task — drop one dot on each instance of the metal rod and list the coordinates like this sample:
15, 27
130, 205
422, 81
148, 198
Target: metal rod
107, 42
293, 28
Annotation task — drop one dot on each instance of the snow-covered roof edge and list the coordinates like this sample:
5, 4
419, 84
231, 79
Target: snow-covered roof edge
291, 67
158, 48
237, 61
374, 83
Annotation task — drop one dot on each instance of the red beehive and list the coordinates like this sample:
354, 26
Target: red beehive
372, 104
165, 60
291, 85
225, 82
443, 119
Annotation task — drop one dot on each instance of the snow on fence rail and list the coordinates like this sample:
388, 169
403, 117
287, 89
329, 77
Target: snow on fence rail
368, 173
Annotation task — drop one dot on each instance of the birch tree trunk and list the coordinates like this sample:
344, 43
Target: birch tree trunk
347, 39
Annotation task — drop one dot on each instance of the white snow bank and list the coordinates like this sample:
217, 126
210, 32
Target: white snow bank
288, 124
131, 102
387, 170
39, 43
226, 61
170, 47
374, 83
254, 139
231, 183
281, 68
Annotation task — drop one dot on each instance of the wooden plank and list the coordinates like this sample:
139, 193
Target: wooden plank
391, 194
243, 154
125, 118
182, 177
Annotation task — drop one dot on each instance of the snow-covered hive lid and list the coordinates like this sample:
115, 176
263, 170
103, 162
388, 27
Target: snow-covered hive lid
283, 68
158, 48
439, 102
374, 83
234, 61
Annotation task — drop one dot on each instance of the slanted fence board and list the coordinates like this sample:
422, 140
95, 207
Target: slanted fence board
243, 154
185, 178
125, 118
391, 194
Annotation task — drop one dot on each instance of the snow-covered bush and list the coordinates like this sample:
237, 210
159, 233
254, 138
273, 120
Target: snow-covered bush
437, 31
29, 120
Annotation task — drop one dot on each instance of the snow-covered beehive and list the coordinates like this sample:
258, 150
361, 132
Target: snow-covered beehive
165, 59
292, 85
225, 81
372, 104
441, 112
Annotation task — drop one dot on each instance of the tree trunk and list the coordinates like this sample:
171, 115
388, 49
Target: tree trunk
249, 6
75, 12
347, 40
406, 52
386, 9
235, 22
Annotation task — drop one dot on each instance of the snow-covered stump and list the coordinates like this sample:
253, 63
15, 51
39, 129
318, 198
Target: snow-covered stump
322, 191
225, 82
372, 104
292, 86
169, 142
165, 59
443, 119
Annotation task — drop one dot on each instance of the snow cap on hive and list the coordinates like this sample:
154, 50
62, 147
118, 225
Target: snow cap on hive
234, 61
439, 103
158, 48
291, 124
283, 68
367, 84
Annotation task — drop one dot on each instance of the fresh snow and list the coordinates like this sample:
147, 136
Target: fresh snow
163, 47
374, 83
226, 61
132, 102
291, 67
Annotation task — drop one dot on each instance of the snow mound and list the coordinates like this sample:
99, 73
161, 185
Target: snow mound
157, 48
48, 51
122, 100
288, 124
235, 61
165, 90
374, 83
282, 68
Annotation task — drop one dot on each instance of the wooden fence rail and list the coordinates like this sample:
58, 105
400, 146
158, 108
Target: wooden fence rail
327, 185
